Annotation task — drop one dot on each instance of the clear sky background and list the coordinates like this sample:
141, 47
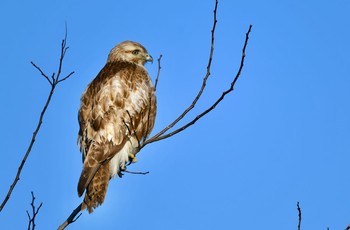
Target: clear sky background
281, 137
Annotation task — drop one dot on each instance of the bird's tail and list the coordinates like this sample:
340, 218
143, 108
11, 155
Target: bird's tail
97, 188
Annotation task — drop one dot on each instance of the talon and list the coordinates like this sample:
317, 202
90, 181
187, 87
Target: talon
120, 174
132, 158
122, 168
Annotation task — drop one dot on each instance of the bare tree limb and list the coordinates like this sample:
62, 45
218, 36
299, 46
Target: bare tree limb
54, 83
71, 218
35, 211
161, 135
348, 227
299, 215
216, 102
156, 137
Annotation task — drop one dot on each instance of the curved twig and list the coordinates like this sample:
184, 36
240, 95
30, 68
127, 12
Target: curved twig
162, 134
216, 102
299, 215
158, 72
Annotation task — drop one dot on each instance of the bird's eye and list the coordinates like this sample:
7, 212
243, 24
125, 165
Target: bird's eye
135, 52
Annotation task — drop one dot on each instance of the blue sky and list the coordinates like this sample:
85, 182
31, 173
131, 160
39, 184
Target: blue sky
281, 137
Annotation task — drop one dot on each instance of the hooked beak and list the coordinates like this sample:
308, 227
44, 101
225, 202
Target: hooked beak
149, 58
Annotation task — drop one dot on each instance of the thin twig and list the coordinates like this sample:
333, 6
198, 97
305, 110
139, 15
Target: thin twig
158, 135
42, 73
72, 218
136, 150
158, 72
141, 173
31, 223
65, 78
299, 215
54, 82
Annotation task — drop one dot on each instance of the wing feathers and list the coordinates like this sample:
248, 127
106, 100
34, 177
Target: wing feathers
117, 106
85, 178
98, 156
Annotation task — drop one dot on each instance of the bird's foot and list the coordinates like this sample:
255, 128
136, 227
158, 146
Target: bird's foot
132, 158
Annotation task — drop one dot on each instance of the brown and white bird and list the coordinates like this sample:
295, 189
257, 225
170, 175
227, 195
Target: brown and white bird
116, 114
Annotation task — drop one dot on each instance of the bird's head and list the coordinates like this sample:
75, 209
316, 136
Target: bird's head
131, 52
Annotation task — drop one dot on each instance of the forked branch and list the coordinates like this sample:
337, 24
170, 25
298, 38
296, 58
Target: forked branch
163, 133
158, 136
231, 88
54, 80
35, 211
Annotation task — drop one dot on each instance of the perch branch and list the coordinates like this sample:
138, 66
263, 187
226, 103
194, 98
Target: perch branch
54, 82
31, 224
71, 218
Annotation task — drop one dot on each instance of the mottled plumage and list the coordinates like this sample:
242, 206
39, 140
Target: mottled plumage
117, 112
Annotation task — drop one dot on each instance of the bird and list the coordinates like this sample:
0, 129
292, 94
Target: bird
117, 112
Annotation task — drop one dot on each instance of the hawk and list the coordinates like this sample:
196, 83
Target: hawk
116, 114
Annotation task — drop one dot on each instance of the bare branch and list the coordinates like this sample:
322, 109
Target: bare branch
55, 81
156, 137
31, 224
218, 100
64, 49
72, 218
348, 227
299, 215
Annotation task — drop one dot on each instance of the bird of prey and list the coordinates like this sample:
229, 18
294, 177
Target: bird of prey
116, 114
